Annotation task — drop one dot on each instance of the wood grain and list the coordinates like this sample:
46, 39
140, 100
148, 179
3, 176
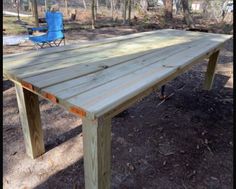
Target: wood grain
47, 52
97, 153
100, 79
106, 74
210, 73
115, 50
30, 120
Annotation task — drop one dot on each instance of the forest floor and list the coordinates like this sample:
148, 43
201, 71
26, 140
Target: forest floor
184, 143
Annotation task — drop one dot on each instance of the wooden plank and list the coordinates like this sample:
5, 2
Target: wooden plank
30, 120
66, 104
210, 73
178, 65
30, 59
91, 115
97, 153
48, 51
97, 45
52, 59
26, 73
80, 85
44, 52
104, 98
57, 76
146, 92
66, 59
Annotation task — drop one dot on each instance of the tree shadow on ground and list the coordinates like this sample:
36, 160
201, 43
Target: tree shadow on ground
57, 140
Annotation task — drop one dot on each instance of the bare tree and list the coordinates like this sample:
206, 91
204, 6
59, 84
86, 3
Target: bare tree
85, 7
66, 6
107, 3
97, 6
129, 11
18, 9
46, 5
144, 5
187, 16
35, 10
96, 10
215, 9
178, 6
112, 8
31, 6
224, 9
168, 8
93, 14
124, 11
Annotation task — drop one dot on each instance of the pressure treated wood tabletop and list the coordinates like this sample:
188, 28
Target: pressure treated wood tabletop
93, 78
99, 79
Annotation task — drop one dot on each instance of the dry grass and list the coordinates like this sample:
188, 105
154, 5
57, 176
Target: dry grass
14, 27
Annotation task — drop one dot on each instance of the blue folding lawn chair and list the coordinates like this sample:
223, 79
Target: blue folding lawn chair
55, 29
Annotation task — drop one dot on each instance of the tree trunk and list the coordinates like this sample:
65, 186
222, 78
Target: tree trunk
66, 6
18, 9
178, 6
97, 4
129, 13
107, 3
144, 5
30, 7
93, 14
85, 7
187, 16
168, 9
95, 10
112, 8
36, 17
124, 11
46, 5
224, 9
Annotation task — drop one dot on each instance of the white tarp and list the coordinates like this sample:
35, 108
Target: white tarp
15, 14
14, 40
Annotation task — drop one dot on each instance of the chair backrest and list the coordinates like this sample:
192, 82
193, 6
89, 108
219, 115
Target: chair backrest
55, 25
54, 21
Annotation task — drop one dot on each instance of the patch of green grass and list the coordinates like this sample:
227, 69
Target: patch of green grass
14, 27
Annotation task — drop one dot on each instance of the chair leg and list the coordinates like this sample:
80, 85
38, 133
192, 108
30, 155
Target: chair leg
162, 95
49, 44
37, 44
58, 43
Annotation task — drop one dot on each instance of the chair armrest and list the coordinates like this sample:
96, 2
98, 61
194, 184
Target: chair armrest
40, 28
31, 30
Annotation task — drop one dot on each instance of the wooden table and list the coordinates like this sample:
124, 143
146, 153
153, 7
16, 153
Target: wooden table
98, 80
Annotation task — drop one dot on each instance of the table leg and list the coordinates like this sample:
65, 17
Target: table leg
28, 105
210, 73
97, 153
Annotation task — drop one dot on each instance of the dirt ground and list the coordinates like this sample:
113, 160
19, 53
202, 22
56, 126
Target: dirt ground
184, 143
